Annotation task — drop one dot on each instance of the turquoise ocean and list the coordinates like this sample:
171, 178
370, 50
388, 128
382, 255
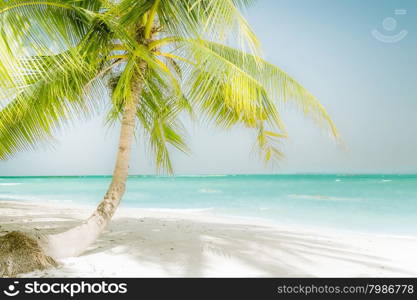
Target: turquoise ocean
385, 204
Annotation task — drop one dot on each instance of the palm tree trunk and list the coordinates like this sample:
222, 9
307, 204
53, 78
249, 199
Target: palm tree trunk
76, 240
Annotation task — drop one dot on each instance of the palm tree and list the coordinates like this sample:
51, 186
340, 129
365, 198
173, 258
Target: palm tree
158, 59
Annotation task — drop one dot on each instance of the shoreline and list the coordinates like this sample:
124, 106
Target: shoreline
168, 243
206, 213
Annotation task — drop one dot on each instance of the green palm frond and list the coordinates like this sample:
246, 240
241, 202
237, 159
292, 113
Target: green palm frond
231, 87
158, 112
279, 86
46, 105
45, 26
174, 56
217, 20
47, 91
42, 29
133, 12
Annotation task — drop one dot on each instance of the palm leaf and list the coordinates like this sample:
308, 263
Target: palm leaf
53, 89
54, 54
231, 87
211, 19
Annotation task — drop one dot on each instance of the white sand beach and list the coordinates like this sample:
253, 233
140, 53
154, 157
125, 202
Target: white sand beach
146, 243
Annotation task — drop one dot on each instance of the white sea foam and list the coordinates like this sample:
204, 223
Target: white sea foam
31, 198
20, 197
9, 183
321, 197
184, 210
203, 176
209, 191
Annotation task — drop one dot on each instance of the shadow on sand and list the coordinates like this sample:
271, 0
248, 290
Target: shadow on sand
187, 248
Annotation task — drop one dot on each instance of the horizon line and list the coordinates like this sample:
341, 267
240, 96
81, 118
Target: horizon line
215, 175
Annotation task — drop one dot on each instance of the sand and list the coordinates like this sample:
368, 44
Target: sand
170, 243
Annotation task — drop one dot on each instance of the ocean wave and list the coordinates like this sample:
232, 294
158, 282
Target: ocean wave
186, 210
10, 183
202, 176
320, 197
28, 198
209, 191
19, 197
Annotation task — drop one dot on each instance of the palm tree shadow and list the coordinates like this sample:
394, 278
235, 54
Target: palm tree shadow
187, 248
191, 249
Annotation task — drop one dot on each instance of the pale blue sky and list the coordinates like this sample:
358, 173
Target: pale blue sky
368, 86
